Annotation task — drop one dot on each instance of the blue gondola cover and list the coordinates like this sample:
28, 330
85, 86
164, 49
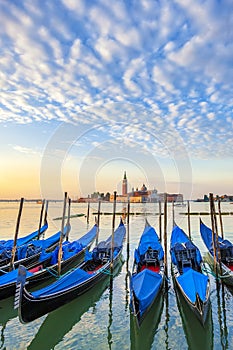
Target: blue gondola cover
193, 283
146, 285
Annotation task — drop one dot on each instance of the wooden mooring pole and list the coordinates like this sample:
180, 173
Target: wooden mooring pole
68, 219
88, 212
213, 234
220, 218
173, 214
113, 228
160, 222
16, 234
41, 216
128, 215
165, 234
98, 222
189, 223
46, 212
216, 238
61, 234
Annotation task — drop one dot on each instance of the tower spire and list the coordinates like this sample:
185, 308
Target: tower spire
124, 185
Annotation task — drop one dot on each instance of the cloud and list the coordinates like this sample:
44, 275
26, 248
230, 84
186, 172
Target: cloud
26, 150
95, 62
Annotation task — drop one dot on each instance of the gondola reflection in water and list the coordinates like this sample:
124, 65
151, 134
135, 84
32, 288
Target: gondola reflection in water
197, 336
142, 337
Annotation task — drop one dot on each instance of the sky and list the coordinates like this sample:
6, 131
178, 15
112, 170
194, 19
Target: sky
90, 89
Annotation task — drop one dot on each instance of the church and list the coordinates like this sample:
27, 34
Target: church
143, 195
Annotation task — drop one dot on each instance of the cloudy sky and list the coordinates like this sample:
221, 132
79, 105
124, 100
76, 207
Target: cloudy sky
90, 89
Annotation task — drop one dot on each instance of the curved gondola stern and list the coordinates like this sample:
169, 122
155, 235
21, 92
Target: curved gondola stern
202, 308
21, 279
147, 224
199, 304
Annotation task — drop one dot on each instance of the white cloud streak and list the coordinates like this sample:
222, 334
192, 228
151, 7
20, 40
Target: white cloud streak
173, 58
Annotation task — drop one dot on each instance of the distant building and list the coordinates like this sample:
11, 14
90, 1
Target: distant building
143, 195
124, 185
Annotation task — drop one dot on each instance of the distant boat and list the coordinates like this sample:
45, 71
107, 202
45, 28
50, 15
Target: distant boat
147, 280
187, 274
71, 216
180, 204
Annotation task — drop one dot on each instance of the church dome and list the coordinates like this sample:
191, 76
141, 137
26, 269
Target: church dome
143, 188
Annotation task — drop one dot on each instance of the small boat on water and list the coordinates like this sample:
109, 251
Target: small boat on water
186, 263
46, 267
97, 266
147, 279
180, 204
29, 253
226, 253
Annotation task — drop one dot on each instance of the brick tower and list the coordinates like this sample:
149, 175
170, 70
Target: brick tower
124, 185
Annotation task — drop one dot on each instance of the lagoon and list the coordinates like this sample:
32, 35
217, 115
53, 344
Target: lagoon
101, 318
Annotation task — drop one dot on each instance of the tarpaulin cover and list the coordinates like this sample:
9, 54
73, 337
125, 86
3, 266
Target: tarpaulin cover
146, 285
68, 281
181, 242
206, 234
36, 246
74, 247
192, 283
23, 240
70, 249
88, 237
11, 277
39, 245
149, 239
119, 236
78, 275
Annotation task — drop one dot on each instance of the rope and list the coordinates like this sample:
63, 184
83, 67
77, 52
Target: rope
211, 272
52, 272
106, 272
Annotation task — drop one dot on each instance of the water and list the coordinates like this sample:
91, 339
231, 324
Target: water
101, 318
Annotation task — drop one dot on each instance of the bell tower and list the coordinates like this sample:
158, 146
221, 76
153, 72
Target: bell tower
124, 185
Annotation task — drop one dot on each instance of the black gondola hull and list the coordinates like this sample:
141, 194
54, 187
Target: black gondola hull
31, 309
136, 315
201, 313
48, 273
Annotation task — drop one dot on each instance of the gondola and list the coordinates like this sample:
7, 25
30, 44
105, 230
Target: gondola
72, 313
147, 279
7, 245
97, 266
226, 253
188, 278
30, 253
46, 267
